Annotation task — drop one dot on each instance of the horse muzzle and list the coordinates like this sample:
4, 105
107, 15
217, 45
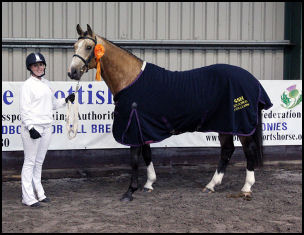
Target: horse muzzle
75, 74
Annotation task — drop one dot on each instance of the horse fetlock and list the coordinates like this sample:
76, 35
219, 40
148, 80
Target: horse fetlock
151, 178
148, 185
151, 173
210, 186
216, 180
132, 189
150, 181
246, 188
250, 180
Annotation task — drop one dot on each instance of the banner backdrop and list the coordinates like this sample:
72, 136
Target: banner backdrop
282, 124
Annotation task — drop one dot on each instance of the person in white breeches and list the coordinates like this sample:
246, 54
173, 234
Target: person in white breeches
37, 102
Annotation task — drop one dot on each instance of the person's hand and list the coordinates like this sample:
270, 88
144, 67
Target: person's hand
34, 134
71, 98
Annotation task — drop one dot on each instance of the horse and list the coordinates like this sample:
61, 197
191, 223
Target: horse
233, 98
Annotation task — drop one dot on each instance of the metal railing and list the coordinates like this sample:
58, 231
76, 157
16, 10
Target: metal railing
152, 44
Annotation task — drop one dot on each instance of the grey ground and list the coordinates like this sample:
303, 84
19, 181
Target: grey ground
177, 203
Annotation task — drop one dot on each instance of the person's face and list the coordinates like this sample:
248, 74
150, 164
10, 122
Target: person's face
38, 68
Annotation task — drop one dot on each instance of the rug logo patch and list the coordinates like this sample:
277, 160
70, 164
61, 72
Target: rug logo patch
291, 97
240, 103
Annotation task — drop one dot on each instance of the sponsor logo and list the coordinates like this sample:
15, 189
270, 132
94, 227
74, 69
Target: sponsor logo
291, 97
240, 103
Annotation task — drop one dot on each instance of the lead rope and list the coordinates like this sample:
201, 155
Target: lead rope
72, 112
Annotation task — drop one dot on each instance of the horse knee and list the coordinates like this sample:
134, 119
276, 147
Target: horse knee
227, 147
226, 153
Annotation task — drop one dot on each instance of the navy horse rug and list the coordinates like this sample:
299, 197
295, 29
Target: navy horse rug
160, 103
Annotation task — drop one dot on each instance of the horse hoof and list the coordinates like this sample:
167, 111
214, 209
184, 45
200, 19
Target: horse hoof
207, 190
246, 196
126, 199
147, 190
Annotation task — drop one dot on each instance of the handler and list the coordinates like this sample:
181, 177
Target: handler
36, 104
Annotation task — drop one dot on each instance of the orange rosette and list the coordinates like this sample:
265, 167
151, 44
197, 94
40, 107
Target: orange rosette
99, 52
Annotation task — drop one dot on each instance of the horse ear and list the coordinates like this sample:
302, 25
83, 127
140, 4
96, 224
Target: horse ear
79, 30
90, 32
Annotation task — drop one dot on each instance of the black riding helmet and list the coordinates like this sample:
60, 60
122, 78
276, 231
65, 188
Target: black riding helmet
34, 58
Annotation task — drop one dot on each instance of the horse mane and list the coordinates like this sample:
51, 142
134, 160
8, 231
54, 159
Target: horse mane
127, 51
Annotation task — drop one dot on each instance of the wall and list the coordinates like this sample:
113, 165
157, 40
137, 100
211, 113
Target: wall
234, 21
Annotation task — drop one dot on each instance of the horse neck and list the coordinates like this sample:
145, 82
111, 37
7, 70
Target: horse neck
118, 67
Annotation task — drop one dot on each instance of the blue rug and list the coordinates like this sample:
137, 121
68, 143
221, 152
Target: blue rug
160, 103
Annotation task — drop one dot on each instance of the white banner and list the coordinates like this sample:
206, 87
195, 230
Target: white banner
282, 124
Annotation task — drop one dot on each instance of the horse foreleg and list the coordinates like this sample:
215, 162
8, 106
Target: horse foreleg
151, 176
227, 149
135, 152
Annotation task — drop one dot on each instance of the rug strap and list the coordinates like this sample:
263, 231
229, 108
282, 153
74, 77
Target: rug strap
129, 123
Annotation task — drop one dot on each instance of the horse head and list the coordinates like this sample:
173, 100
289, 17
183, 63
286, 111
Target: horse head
118, 67
84, 58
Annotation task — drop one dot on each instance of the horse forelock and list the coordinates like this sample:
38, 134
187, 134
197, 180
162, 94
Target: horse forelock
86, 34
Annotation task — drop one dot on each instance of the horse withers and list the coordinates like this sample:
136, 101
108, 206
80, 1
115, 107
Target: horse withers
152, 104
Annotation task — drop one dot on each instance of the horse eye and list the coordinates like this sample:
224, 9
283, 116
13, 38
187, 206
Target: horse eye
89, 47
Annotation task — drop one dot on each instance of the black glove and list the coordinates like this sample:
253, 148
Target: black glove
71, 98
34, 134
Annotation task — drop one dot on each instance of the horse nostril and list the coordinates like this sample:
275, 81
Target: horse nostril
73, 73
71, 76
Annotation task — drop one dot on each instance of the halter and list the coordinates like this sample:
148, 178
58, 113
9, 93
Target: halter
92, 53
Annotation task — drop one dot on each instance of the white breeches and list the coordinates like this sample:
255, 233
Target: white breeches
34, 154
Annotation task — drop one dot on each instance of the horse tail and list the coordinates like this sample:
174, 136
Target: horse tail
258, 138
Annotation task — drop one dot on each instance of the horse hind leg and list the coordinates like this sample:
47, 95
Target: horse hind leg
151, 176
227, 149
252, 152
253, 149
